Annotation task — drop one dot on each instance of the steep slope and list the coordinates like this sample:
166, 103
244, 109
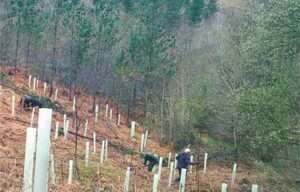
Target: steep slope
123, 152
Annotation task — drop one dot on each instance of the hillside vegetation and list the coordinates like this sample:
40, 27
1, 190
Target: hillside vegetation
220, 76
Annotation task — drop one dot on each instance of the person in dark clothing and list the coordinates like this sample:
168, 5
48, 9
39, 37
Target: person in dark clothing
151, 160
183, 161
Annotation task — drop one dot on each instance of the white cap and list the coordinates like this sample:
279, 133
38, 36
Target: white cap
187, 150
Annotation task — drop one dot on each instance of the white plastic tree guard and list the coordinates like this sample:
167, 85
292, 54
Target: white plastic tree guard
106, 110
94, 142
87, 152
233, 174
74, 104
29, 81
192, 160
205, 163
171, 174
32, 117
96, 113
56, 95
56, 130
142, 142
66, 130
126, 181
65, 120
182, 180
45, 88
34, 84
86, 127
13, 101
146, 138
106, 150
29, 159
155, 183
132, 130
160, 166
102, 152
70, 177
254, 188
175, 165
119, 119
224, 187
42, 150
37, 83
110, 114
52, 167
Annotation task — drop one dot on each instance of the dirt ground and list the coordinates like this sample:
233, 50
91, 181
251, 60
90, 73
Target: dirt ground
110, 175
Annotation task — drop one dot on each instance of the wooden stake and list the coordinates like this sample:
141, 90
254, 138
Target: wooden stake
70, 177
29, 159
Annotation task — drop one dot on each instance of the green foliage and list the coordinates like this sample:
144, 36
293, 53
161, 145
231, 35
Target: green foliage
184, 138
268, 101
195, 11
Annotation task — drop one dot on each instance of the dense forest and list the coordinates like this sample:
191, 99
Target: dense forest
229, 69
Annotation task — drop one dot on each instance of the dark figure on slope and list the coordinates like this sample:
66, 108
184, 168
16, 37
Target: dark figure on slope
183, 161
151, 160
28, 102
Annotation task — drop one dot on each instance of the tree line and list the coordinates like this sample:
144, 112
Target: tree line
181, 66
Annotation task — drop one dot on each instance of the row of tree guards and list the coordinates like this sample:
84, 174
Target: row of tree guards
37, 152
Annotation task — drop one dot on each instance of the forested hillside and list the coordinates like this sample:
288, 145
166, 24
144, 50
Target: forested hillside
217, 75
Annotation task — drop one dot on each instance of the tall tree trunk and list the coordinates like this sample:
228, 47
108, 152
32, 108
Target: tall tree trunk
162, 111
54, 61
17, 44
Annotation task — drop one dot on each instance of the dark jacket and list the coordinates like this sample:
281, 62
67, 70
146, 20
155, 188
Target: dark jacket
183, 160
